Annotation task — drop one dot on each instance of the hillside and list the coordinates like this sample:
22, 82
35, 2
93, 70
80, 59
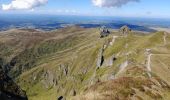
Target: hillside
75, 63
10, 90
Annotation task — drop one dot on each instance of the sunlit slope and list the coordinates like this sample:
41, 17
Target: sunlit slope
75, 63
136, 73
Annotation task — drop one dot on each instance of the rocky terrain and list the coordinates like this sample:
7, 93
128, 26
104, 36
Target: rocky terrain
74, 63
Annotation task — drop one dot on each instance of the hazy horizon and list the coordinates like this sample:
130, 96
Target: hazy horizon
122, 8
51, 22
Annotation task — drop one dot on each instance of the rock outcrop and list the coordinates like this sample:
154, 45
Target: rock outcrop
124, 29
104, 32
49, 79
100, 58
110, 61
64, 69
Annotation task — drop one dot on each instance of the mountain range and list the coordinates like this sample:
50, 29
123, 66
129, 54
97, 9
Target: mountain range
74, 63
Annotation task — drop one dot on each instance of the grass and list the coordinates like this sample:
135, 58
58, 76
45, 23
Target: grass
122, 88
79, 48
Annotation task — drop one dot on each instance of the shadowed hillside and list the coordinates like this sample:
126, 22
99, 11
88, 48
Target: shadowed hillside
8, 89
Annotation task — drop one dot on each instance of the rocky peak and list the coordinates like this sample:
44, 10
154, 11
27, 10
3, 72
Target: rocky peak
124, 29
104, 31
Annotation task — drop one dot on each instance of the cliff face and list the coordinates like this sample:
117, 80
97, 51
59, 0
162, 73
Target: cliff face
75, 63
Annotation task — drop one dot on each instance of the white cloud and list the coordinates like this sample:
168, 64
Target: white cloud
23, 4
111, 3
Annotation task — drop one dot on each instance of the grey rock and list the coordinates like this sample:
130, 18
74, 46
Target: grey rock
100, 58
110, 61
64, 69
104, 32
49, 79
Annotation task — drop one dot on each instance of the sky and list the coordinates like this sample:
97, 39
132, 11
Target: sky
123, 8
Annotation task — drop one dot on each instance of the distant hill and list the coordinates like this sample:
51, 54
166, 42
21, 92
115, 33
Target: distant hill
51, 22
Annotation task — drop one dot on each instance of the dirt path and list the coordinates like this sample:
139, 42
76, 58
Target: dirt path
149, 61
113, 40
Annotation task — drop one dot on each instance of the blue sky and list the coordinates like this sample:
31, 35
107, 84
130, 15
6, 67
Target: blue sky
142, 8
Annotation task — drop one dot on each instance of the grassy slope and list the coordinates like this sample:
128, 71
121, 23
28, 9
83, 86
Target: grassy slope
78, 49
136, 70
